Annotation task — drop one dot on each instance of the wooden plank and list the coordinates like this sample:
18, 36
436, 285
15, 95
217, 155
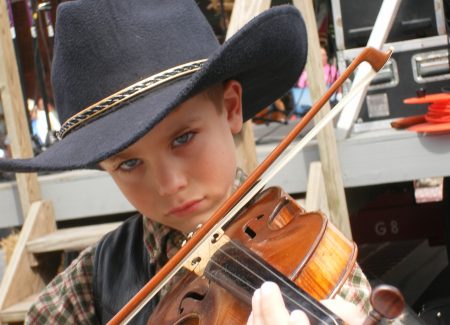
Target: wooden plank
15, 118
371, 158
326, 138
71, 239
19, 281
74, 194
17, 312
316, 196
243, 11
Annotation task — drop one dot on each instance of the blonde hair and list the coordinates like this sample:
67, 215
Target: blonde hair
215, 94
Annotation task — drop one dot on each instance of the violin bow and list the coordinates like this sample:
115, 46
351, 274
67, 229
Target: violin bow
212, 229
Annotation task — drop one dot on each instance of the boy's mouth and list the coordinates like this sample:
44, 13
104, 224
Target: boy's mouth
185, 208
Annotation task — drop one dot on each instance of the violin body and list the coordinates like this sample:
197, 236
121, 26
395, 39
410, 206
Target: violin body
198, 301
302, 246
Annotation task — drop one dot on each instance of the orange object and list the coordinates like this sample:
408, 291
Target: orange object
437, 118
431, 128
433, 98
406, 122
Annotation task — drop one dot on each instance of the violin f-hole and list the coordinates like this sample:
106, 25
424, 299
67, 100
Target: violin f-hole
250, 232
191, 295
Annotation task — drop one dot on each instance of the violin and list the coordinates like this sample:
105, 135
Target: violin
272, 239
264, 235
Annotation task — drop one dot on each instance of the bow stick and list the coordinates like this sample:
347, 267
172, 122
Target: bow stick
211, 231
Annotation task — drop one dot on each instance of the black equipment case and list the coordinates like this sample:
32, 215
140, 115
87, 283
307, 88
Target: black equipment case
419, 63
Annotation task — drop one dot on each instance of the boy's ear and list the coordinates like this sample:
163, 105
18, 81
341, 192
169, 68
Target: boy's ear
232, 104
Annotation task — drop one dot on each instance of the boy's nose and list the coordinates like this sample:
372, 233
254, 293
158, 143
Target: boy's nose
170, 180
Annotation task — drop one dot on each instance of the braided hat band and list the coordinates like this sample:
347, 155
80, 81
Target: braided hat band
125, 94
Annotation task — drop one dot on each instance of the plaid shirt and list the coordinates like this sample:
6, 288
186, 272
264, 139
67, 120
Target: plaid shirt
68, 299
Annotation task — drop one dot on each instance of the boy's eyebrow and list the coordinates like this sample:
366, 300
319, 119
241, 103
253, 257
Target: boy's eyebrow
184, 125
111, 160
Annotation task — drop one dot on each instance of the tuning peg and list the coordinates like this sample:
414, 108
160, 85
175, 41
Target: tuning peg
387, 302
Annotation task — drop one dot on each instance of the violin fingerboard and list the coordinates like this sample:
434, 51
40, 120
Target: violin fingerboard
240, 271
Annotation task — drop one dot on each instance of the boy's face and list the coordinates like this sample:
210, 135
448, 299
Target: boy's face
183, 169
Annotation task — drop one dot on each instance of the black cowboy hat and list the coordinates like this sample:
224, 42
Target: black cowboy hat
121, 66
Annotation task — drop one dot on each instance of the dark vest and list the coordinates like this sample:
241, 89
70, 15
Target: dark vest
121, 269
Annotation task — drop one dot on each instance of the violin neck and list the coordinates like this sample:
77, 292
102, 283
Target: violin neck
240, 271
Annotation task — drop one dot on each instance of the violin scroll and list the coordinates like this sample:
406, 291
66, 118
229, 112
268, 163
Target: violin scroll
387, 302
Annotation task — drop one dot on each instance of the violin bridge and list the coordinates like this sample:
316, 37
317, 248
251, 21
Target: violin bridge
202, 255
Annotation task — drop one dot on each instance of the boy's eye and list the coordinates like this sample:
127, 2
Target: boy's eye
183, 139
129, 164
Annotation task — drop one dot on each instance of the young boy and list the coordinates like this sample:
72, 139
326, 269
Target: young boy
146, 93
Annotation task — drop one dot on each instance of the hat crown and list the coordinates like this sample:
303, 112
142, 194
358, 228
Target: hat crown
103, 46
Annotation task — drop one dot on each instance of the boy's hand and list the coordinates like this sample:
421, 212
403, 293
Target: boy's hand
269, 309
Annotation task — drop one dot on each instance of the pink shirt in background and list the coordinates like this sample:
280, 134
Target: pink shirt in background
330, 74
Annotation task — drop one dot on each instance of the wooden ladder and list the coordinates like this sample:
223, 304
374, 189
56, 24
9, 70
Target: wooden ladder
38, 252
36, 258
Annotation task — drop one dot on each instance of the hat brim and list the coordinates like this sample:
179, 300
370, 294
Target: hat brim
266, 56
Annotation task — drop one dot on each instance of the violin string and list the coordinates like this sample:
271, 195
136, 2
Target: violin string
262, 280
280, 279
287, 283
253, 287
